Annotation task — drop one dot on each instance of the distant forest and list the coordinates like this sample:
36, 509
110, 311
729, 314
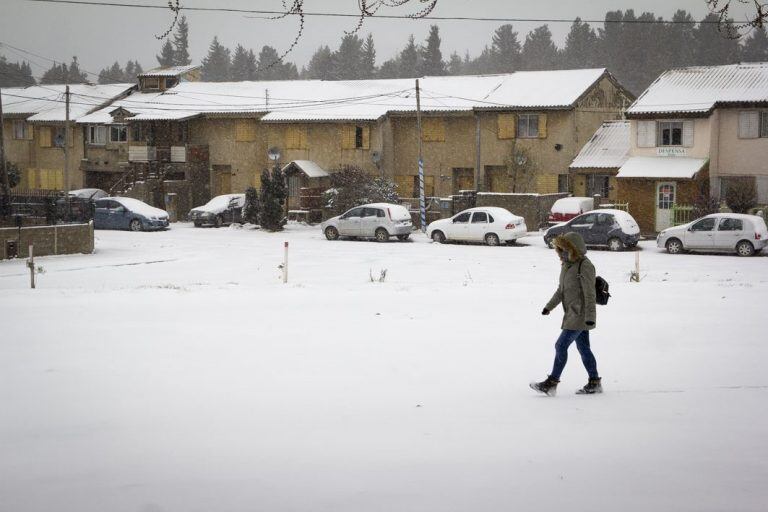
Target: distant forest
636, 49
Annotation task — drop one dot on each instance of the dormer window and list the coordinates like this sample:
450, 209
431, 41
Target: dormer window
151, 83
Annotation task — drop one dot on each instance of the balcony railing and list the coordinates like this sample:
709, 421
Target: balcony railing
173, 154
142, 153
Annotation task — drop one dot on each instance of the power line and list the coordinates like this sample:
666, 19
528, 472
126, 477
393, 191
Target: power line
379, 16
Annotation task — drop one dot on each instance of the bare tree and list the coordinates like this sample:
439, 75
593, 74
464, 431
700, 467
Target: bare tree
722, 8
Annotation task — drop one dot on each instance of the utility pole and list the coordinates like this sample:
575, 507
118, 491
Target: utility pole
478, 173
422, 198
3, 169
66, 153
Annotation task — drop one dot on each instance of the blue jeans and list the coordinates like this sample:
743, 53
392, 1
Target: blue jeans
561, 352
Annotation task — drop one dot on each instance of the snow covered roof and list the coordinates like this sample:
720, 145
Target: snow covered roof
360, 100
661, 167
700, 89
168, 71
607, 149
311, 169
46, 103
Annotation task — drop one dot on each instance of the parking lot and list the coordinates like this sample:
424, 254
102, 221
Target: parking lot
174, 370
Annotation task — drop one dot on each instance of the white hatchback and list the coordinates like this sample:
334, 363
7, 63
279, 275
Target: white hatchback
491, 225
378, 220
720, 232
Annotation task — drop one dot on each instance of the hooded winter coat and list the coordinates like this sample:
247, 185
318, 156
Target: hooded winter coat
576, 291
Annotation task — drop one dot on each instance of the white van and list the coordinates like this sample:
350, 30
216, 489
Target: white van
378, 220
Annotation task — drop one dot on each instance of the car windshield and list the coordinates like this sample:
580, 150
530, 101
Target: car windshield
218, 202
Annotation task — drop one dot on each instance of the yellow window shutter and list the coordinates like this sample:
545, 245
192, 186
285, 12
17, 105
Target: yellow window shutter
30, 131
31, 178
45, 136
348, 136
296, 137
303, 137
290, 142
58, 179
542, 126
245, 130
366, 137
433, 129
506, 126
429, 186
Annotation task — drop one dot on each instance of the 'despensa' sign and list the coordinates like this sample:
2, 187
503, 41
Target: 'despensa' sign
670, 151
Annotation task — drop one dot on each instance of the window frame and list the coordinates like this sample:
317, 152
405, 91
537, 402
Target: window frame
478, 214
729, 220
660, 134
524, 126
122, 128
24, 128
96, 128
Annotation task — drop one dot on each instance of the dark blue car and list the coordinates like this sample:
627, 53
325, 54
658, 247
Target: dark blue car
128, 213
615, 229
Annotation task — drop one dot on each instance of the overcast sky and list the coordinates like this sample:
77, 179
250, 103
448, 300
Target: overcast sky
99, 35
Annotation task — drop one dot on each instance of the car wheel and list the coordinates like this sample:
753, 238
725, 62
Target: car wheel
674, 246
219, 221
615, 244
331, 233
438, 237
381, 235
492, 239
198, 224
403, 238
135, 225
745, 248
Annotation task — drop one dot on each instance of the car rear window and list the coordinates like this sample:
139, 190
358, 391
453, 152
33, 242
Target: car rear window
728, 224
479, 217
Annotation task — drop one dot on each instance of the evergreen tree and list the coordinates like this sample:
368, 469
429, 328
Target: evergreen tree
580, 47
270, 67
505, 50
409, 60
610, 43
63, 74
216, 66
455, 66
181, 43
431, 56
112, 75
252, 206
368, 65
15, 74
481, 65
132, 70
539, 52
243, 65
167, 57
712, 46
756, 46
348, 59
273, 193
679, 40
320, 65
76, 76
390, 69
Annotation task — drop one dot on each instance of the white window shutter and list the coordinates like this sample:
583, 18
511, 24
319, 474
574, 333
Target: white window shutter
688, 134
646, 134
749, 125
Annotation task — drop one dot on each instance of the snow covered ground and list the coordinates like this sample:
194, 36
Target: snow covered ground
174, 371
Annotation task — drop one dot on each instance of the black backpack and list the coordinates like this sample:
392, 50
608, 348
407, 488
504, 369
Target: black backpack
601, 289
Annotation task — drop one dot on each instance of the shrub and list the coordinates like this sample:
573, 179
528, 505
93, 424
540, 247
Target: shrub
741, 194
351, 186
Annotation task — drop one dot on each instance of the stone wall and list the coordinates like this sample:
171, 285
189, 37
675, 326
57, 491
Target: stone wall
534, 208
48, 240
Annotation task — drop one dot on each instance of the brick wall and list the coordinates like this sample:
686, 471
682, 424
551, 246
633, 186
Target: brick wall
61, 239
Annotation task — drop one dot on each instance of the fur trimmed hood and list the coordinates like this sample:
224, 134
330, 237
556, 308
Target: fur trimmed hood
572, 244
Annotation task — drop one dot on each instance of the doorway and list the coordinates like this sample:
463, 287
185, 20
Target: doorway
666, 193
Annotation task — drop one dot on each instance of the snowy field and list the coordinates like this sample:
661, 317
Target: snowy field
174, 371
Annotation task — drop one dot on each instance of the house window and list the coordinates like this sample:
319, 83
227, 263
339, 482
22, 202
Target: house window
355, 137
97, 135
59, 134
118, 133
21, 130
563, 183
670, 133
142, 133
598, 184
528, 126
358, 137
152, 83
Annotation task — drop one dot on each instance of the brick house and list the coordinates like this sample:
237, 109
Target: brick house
695, 129
593, 171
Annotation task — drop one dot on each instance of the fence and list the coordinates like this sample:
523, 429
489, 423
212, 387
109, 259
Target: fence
43, 207
681, 214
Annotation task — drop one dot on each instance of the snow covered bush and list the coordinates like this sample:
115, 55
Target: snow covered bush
252, 206
273, 195
351, 186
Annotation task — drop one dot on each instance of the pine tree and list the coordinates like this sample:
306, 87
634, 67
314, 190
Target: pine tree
271, 67
348, 59
321, 64
167, 57
432, 57
409, 60
505, 50
15, 74
712, 46
368, 66
390, 69
112, 75
252, 206
679, 40
216, 66
75, 75
580, 46
539, 52
242, 67
273, 193
132, 70
455, 66
57, 74
756, 46
181, 43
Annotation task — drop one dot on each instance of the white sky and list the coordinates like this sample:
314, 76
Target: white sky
101, 35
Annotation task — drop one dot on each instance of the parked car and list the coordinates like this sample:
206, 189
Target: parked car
379, 220
89, 193
567, 208
720, 232
219, 211
615, 229
483, 224
128, 213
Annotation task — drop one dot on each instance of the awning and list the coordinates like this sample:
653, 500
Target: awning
308, 167
652, 167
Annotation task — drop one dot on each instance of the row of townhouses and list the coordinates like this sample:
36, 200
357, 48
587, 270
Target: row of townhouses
575, 131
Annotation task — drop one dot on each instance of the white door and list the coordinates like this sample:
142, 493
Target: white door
701, 235
459, 228
349, 223
665, 199
478, 227
729, 232
369, 221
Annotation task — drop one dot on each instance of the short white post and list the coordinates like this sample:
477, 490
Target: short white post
285, 264
637, 264
31, 265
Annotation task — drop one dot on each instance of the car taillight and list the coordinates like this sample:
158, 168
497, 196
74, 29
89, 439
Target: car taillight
511, 226
758, 236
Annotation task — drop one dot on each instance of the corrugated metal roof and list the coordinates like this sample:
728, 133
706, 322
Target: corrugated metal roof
46, 103
700, 89
608, 147
169, 71
308, 167
654, 167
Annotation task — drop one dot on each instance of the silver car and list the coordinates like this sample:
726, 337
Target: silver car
721, 232
379, 221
